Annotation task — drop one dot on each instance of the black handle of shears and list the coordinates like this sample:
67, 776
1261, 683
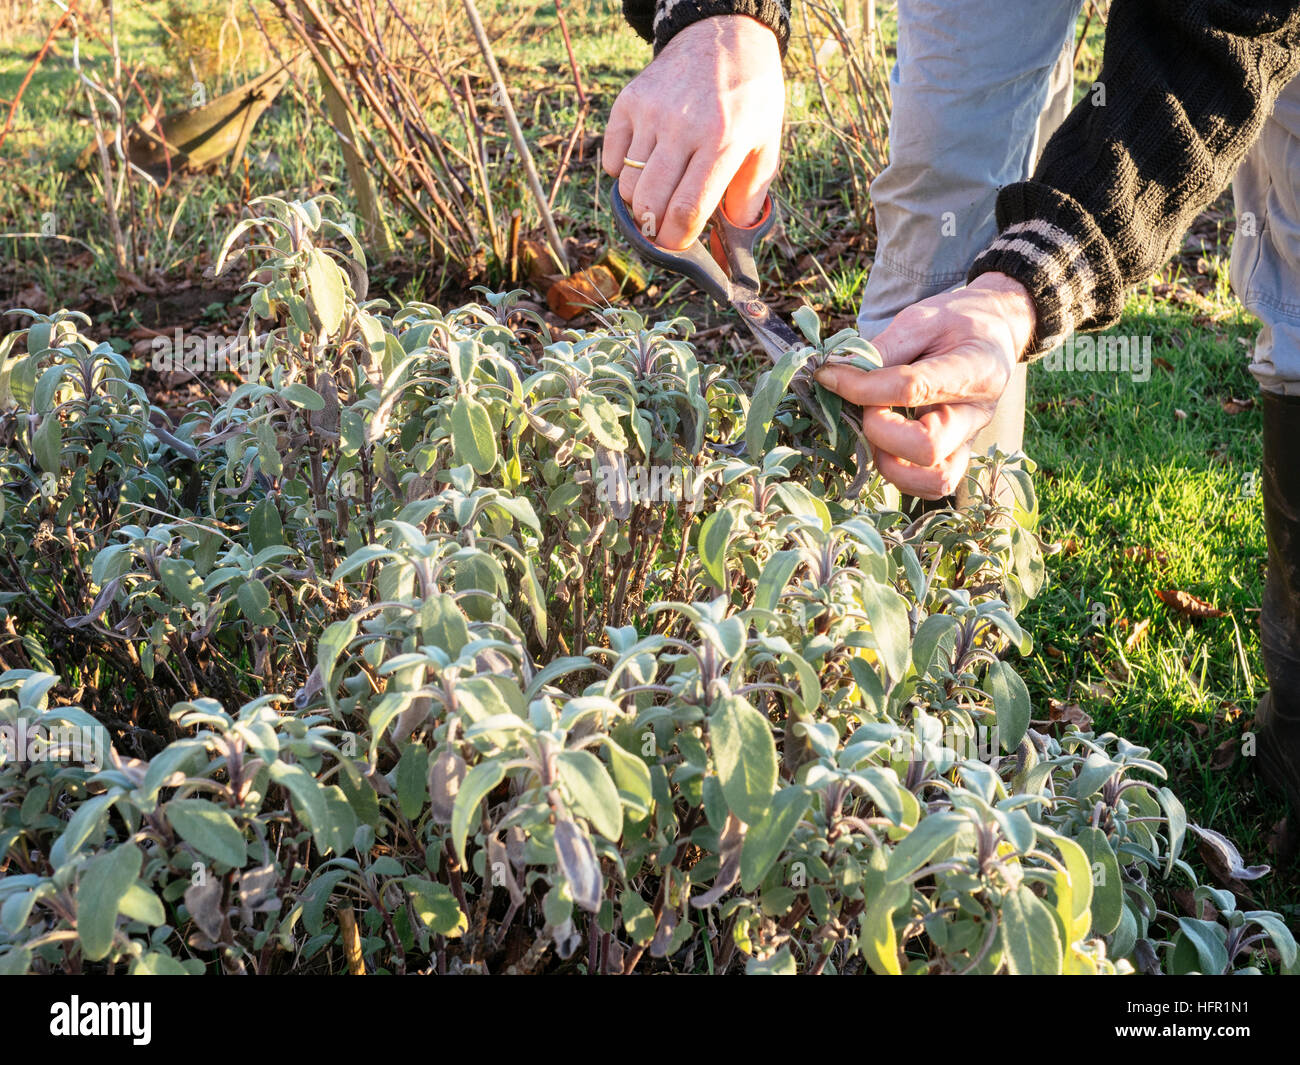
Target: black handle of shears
696, 262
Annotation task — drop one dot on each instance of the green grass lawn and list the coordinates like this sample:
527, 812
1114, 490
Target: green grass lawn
1149, 486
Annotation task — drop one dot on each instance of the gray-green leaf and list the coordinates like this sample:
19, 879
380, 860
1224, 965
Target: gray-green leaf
1011, 703
744, 754
106, 880
1031, 940
591, 790
473, 440
208, 829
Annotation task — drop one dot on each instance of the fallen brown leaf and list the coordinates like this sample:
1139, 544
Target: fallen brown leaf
1070, 714
1225, 754
1066, 547
1205, 911
1146, 554
1188, 605
1236, 406
1101, 692
33, 298
1281, 842
1228, 712
587, 289
1057, 404
1060, 716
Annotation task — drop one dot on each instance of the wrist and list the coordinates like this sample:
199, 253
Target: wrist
728, 32
751, 23
1015, 305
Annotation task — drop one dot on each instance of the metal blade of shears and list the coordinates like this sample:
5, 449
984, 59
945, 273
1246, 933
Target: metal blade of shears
769, 330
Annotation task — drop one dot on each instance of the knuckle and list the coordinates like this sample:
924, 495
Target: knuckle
630, 99
684, 211
917, 391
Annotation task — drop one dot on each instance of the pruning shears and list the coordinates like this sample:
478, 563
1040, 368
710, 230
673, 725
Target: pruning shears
736, 282
726, 270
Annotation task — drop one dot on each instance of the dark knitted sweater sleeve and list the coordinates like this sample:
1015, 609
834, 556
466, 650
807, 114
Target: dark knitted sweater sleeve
658, 21
1184, 90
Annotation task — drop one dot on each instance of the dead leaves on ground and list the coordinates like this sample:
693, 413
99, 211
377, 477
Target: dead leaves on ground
1063, 547
1060, 716
592, 288
1225, 754
1205, 911
1142, 553
1282, 842
1188, 605
1060, 403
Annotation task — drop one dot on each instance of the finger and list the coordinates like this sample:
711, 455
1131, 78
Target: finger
908, 336
748, 189
640, 149
927, 440
963, 376
618, 137
696, 197
656, 185
929, 482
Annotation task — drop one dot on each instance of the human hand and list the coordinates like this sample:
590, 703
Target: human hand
949, 357
705, 117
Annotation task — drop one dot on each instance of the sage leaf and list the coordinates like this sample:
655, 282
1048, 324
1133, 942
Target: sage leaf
744, 754
106, 880
207, 828
473, 440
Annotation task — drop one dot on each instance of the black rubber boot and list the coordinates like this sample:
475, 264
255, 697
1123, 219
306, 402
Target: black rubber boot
1277, 718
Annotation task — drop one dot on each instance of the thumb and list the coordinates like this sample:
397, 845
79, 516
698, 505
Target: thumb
747, 191
906, 338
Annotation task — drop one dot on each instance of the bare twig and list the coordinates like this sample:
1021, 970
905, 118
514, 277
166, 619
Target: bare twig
516, 133
13, 106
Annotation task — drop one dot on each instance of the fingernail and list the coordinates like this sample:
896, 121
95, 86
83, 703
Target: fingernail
827, 377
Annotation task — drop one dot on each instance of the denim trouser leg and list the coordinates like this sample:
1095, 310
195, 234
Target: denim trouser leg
1266, 250
978, 87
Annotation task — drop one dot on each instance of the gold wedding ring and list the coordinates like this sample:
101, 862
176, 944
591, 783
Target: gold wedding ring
633, 163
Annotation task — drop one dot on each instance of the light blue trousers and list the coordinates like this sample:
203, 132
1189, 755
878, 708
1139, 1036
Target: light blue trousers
978, 87
1266, 249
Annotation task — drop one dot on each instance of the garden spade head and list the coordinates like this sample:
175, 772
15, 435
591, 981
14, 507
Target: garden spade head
200, 137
